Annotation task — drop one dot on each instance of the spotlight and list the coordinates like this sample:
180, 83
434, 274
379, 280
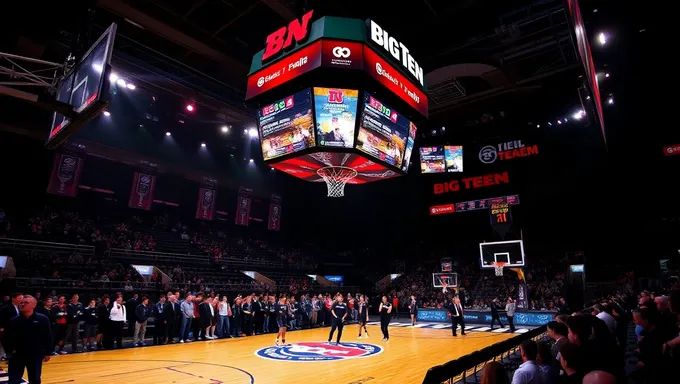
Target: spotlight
578, 115
168, 133
107, 113
202, 145
245, 131
251, 160
602, 38
190, 107
131, 86
113, 77
271, 168
538, 125
225, 129
98, 67
252, 132
610, 100
559, 121
606, 75
121, 82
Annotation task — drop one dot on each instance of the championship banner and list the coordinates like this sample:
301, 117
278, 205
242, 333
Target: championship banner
274, 213
522, 295
141, 195
205, 209
499, 213
65, 175
243, 206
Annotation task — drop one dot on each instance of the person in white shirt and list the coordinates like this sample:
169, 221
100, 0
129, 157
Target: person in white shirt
118, 319
600, 313
510, 308
529, 372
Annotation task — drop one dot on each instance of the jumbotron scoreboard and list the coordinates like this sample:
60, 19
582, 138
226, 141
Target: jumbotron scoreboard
336, 101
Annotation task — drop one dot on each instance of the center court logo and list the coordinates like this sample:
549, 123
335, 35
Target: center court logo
488, 154
341, 52
315, 351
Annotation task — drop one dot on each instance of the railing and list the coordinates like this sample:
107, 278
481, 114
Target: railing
33, 245
153, 257
468, 366
39, 282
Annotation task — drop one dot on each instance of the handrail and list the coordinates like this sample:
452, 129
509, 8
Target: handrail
47, 245
169, 256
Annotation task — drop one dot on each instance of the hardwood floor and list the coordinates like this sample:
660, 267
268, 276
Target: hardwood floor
404, 359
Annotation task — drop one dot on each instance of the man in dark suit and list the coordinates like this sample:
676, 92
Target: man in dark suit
495, 304
28, 342
559, 333
456, 310
172, 318
9, 311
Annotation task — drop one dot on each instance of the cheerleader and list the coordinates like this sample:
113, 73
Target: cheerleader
281, 310
385, 311
363, 315
338, 315
413, 310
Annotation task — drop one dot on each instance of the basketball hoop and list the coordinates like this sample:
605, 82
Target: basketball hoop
498, 266
336, 177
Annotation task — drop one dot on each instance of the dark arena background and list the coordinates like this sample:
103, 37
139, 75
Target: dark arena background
243, 164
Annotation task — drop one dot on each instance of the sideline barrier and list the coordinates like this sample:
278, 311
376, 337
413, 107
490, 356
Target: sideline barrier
46, 246
531, 318
469, 365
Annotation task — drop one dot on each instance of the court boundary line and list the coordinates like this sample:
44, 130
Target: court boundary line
250, 375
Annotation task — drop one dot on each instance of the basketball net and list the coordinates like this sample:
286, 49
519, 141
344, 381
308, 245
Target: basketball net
336, 177
444, 290
498, 266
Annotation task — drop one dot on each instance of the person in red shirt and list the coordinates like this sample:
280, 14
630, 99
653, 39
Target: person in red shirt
395, 306
60, 323
196, 323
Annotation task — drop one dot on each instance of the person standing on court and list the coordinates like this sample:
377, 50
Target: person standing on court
495, 304
28, 342
457, 317
510, 308
385, 310
338, 315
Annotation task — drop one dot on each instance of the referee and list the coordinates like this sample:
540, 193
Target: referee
28, 343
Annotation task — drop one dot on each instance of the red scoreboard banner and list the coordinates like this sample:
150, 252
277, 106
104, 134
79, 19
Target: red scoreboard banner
205, 208
65, 175
393, 80
442, 209
274, 223
141, 195
245, 202
672, 150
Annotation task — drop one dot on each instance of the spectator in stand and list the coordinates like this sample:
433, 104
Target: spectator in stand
571, 359
599, 377
650, 345
529, 372
494, 373
600, 313
545, 361
142, 314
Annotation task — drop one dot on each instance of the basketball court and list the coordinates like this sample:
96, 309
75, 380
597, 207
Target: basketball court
406, 358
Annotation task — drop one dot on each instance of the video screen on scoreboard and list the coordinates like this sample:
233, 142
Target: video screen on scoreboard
410, 142
336, 116
448, 158
382, 132
287, 126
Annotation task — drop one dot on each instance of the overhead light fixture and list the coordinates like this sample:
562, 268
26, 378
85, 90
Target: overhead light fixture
107, 113
578, 115
252, 132
602, 38
225, 129
203, 145
121, 82
98, 67
251, 160
190, 107
131, 86
606, 75
168, 133
113, 77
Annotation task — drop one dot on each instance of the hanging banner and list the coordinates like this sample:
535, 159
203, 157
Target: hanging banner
141, 195
65, 175
522, 295
500, 214
243, 206
274, 213
205, 209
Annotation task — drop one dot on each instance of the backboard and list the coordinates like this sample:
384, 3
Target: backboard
451, 280
83, 88
509, 252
